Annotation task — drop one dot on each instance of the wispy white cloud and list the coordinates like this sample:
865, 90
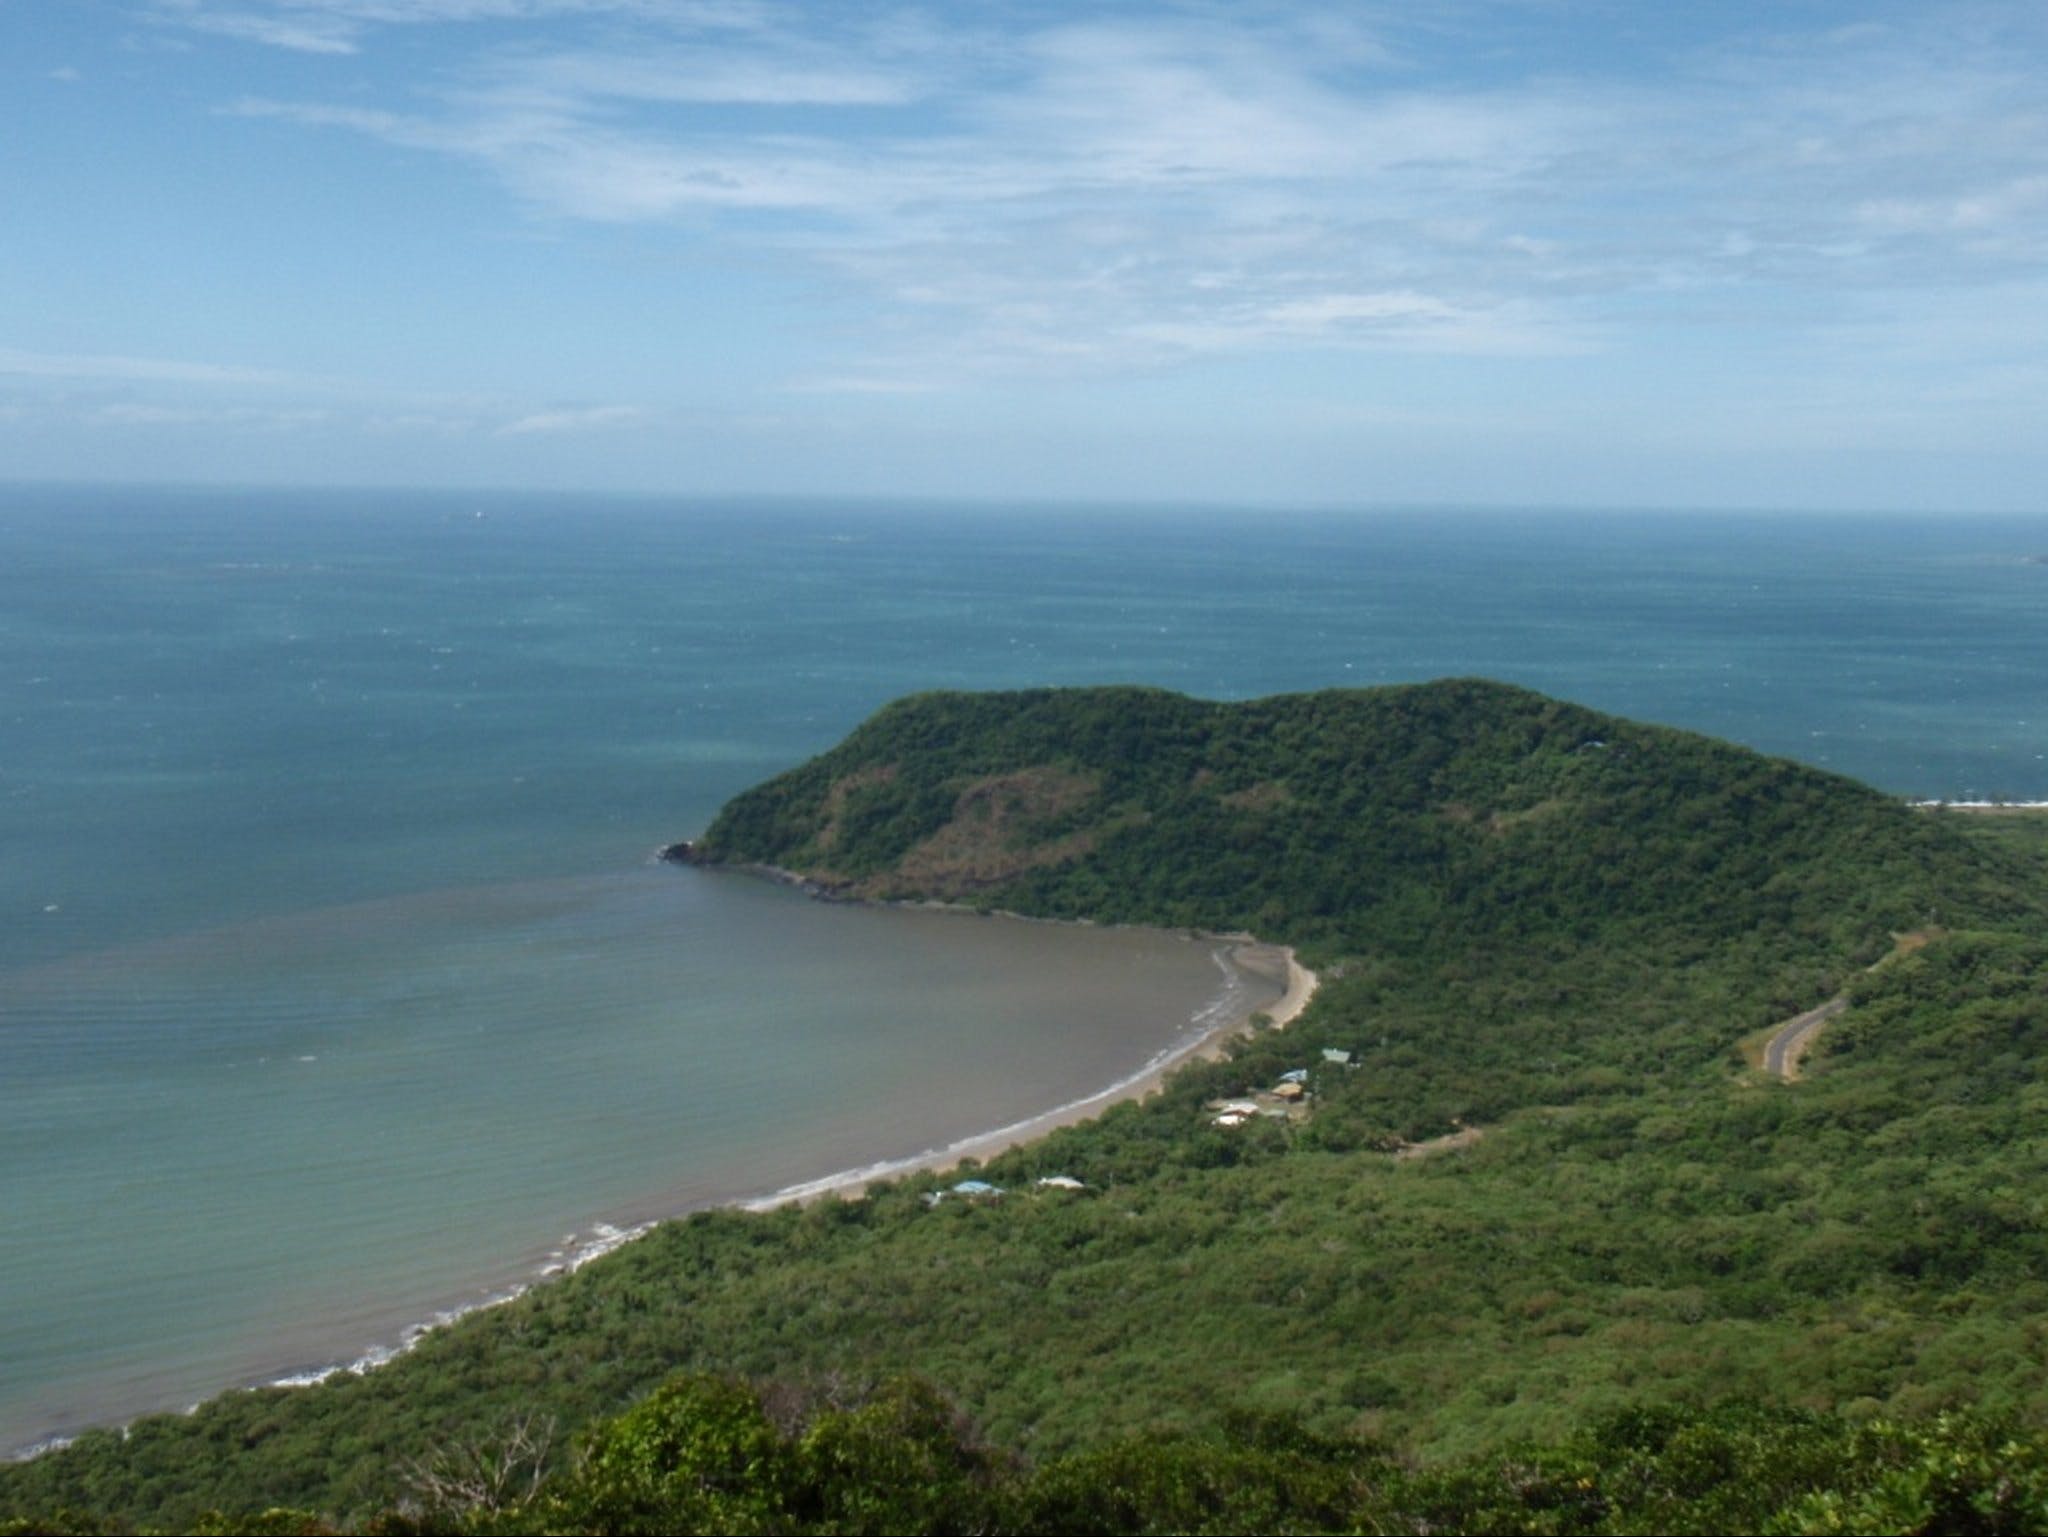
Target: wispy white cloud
262, 418
780, 76
123, 391
343, 26
856, 384
582, 419
565, 166
1984, 212
1326, 311
59, 365
1399, 320
437, 424
310, 33
1038, 192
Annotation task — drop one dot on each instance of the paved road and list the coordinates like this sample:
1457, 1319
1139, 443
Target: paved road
1789, 1043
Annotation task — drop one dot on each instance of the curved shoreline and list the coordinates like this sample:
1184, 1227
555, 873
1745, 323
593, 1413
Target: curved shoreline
1227, 1016
1243, 951
1298, 988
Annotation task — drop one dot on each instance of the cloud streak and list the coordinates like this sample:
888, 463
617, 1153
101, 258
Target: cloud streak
583, 419
1150, 187
260, 418
311, 34
104, 366
120, 391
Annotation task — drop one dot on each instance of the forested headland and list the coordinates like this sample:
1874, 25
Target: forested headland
1547, 1250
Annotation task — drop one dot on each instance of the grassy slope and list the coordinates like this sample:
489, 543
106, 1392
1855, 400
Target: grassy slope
1559, 940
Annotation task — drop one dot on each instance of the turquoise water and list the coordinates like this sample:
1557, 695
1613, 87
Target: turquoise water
335, 987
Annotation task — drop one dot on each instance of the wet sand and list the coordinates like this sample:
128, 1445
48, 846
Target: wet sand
1277, 963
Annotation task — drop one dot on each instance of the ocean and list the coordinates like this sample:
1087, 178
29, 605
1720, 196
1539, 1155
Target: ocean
338, 991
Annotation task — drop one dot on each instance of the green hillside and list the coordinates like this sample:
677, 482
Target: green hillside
1399, 816
1549, 931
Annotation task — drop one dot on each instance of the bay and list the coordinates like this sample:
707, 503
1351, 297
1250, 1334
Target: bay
336, 989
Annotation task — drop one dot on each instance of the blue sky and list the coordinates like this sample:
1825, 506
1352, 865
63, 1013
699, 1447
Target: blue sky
1529, 251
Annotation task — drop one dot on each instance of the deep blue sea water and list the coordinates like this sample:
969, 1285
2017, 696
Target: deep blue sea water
335, 988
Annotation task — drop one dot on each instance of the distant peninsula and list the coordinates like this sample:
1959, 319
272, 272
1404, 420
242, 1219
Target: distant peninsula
1392, 816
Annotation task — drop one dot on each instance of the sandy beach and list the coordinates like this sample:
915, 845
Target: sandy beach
1985, 808
1277, 963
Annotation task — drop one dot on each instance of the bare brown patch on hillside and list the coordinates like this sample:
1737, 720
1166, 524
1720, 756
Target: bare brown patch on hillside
1504, 821
1451, 1142
988, 840
836, 797
1465, 814
1260, 797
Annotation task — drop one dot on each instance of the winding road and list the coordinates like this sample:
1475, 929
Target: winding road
1789, 1042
